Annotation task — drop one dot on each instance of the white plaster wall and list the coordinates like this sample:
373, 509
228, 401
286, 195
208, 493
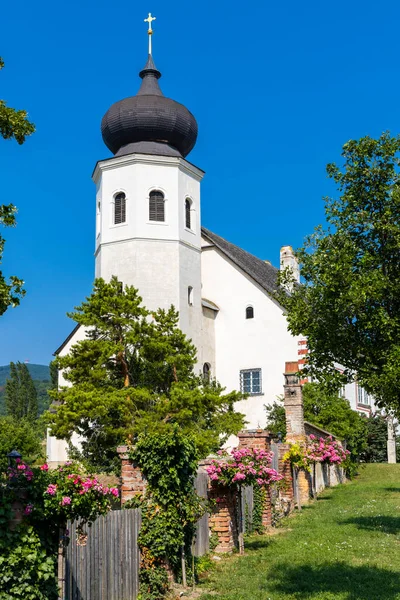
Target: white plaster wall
57, 450
208, 339
263, 342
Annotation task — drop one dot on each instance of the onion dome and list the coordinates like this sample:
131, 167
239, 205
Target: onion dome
149, 123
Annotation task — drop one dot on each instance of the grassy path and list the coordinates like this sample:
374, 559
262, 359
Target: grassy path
346, 546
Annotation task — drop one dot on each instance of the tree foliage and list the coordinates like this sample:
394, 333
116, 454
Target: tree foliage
134, 371
349, 304
377, 433
20, 394
14, 124
21, 436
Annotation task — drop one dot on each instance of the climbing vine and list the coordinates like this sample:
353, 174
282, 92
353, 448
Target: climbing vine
170, 507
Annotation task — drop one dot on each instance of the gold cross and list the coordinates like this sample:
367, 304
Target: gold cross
149, 21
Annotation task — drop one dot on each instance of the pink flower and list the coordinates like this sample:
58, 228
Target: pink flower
66, 501
28, 509
44, 467
114, 491
52, 489
21, 467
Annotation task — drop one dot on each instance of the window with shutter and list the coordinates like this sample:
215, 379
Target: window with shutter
188, 206
206, 372
249, 312
156, 206
119, 208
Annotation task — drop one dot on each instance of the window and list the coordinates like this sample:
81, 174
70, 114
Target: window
119, 208
188, 206
249, 312
206, 372
342, 392
190, 295
250, 381
156, 206
363, 397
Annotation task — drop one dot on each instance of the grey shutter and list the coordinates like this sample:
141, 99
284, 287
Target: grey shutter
156, 206
119, 209
187, 213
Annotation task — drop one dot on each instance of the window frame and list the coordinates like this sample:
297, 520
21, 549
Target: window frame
152, 193
250, 307
252, 391
363, 398
123, 210
190, 295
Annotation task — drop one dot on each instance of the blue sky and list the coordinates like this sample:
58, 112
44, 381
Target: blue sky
276, 88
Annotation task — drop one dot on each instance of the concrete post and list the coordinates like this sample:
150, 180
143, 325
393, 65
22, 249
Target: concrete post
391, 441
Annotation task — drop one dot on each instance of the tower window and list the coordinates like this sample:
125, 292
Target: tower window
206, 372
250, 382
249, 312
190, 295
156, 206
188, 206
119, 208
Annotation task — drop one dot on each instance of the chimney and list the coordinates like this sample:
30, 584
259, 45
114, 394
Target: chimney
288, 259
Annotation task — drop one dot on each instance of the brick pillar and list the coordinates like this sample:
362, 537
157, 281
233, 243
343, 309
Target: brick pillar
222, 520
133, 482
261, 440
295, 431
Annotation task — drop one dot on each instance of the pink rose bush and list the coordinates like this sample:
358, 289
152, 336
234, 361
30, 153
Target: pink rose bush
243, 466
326, 450
62, 494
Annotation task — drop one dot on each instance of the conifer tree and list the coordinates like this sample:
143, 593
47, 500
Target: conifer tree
135, 372
21, 395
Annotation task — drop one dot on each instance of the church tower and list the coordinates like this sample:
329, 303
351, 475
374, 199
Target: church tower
148, 201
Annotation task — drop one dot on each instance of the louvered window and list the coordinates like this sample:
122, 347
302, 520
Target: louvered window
249, 312
250, 382
156, 206
206, 372
119, 208
188, 205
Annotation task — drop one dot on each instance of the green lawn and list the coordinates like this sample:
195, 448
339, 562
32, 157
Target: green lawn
346, 546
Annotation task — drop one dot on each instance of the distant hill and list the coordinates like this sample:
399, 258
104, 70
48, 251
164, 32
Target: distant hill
41, 378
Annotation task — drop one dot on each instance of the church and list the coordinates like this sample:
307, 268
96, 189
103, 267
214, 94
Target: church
149, 234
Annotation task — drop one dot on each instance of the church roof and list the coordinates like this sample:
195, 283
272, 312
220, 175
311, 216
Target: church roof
262, 272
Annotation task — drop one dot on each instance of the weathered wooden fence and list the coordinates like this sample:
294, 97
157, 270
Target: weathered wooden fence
202, 539
107, 566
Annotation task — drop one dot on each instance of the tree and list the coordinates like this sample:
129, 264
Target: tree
328, 411
20, 394
134, 373
14, 124
377, 433
348, 306
18, 435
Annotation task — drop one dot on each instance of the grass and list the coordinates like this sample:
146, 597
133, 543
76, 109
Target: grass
345, 546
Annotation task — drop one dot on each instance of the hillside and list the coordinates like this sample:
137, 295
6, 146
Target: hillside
41, 378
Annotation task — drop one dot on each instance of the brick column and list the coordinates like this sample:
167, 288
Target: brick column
133, 482
222, 520
261, 440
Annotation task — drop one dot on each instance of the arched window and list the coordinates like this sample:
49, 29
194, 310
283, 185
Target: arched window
188, 206
119, 208
156, 206
249, 312
206, 372
190, 295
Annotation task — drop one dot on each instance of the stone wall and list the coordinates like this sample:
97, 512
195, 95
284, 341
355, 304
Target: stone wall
133, 482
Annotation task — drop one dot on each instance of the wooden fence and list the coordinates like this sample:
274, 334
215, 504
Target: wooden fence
202, 539
107, 566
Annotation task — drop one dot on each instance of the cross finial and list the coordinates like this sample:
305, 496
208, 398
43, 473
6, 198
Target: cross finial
149, 20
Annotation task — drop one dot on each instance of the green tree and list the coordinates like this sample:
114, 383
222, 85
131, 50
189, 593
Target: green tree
349, 304
20, 394
376, 449
134, 372
19, 435
14, 124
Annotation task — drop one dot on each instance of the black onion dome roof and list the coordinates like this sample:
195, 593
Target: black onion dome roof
149, 122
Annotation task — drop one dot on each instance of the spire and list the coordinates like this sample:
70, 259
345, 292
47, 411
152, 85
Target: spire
150, 76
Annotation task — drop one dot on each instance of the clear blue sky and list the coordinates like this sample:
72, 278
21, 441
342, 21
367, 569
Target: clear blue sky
276, 88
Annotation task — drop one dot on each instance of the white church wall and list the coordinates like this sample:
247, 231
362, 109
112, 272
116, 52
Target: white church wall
208, 340
259, 343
